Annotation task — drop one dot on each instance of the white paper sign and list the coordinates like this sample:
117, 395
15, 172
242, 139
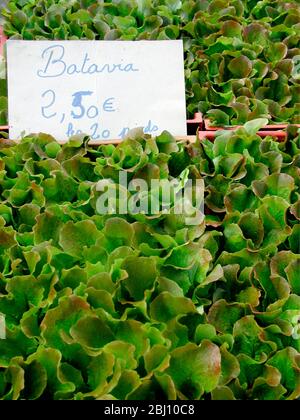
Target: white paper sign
101, 88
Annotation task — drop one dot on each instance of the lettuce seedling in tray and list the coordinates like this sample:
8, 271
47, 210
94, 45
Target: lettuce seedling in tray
241, 57
143, 306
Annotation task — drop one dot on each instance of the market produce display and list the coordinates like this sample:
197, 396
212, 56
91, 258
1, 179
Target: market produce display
242, 57
142, 307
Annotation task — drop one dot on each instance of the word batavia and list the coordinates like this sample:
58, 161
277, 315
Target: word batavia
55, 65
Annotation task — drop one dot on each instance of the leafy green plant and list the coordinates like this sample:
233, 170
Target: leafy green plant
109, 306
241, 57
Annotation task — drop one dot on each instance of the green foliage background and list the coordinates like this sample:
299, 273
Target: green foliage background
242, 57
143, 306
146, 306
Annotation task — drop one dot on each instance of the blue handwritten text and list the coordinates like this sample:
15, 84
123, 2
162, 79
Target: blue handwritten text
55, 64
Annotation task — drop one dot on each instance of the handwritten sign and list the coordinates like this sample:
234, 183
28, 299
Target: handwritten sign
101, 88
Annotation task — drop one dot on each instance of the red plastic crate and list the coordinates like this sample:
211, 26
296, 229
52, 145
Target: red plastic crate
211, 135
271, 127
195, 124
3, 39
